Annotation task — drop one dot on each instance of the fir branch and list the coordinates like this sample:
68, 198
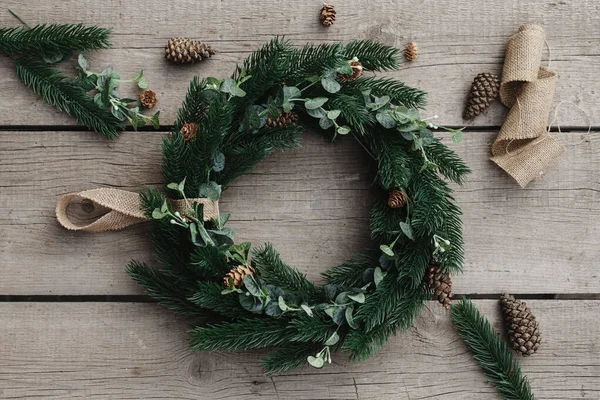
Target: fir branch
385, 221
412, 260
210, 262
448, 162
246, 334
353, 111
490, 352
208, 295
177, 158
276, 272
373, 56
288, 357
150, 199
350, 273
399, 93
380, 303
195, 106
162, 288
363, 345
48, 40
311, 60
312, 329
66, 96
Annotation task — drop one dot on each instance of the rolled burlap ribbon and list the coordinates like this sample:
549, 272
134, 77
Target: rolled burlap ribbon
523, 147
125, 209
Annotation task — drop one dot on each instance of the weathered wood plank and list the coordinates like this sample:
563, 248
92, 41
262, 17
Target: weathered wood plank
453, 50
312, 204
127, 351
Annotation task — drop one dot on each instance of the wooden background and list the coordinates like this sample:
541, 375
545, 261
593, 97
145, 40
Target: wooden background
73, 325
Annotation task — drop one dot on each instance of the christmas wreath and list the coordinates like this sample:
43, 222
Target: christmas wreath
247, 298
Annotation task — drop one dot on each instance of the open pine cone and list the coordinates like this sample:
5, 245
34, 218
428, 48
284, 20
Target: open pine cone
411, 52
284, 119
148, 98
357, 70
397, 198
523, 328
484, 89
327, 14
440, 282
236, 276
185, 51
189, 131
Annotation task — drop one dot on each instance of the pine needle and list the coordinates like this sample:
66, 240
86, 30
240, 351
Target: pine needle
490, 352
56, 89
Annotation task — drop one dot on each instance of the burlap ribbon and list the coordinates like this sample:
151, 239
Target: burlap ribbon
125, 209
523, 147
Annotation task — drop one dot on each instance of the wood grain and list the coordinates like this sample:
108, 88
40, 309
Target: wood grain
312, 204
454, 46
137, 351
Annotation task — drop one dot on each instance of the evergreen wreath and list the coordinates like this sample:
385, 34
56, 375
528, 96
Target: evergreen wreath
247, 298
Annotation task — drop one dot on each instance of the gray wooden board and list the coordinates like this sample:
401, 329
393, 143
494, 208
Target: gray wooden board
138, 351
457, 40
312, 204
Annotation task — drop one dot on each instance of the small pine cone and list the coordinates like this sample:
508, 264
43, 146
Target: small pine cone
523, 328
148, 98
236, 276
484, 90
397, 198
411, 52
284, 119
184, 51
327, 14
440, 282
357, 70
189, 130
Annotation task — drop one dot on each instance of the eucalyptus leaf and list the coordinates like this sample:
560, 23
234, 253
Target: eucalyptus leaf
157, 214
291, 92
331, 85
357, 297
333, 114
165, 206
272, 309
218, 162
173, 186
282, 305
385, 119
252, 286
325, 123
210, 190
317, 102
349, 314
251, 303
387, 250
155, 121
287, 106
378, 276
307, 309
407, 230
330, 291
316, 113
341, 298
316, 362
330, 311
339, 316
82, 61
343, 130
227, 85
333, 339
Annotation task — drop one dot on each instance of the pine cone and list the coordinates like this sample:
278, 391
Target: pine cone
284, 119
411, 52
236, 276
327, 14
189, 130
357, 70
484, 90
397, 198
183, 50
440, 282
148, 98
523, 328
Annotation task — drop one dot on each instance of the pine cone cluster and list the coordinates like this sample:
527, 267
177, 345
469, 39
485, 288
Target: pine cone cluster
148, 98
357, 70
189, 131
184, 51
327, 14
411, 52
440, 283
523, 328
484, 90
397, 198
236, 276
284, 119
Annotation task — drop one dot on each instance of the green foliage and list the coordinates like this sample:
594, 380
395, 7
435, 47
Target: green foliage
274, 271
312, 329
448, 162
208, 295
373, 56
56, 89
195, 106
398, 92
351, 273
490, 352
49, 40
246, 334
289, 356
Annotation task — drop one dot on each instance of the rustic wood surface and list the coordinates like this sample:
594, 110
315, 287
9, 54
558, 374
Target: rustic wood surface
541, 242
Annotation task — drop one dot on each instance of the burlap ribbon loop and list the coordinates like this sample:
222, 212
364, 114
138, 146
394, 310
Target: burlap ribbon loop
125, 209
523, 147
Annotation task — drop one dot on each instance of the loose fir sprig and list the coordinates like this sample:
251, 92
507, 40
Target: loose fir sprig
366, 299
490, 352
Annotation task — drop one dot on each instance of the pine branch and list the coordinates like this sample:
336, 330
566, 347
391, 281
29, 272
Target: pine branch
363, 345
246, 334
490, 352
399, 93
48, 40
288, 357
412, 260
210, 262
66, 96
276, 272
353, 111
195, 106
162, 288
373, 56
380, 303
312, 329
350, 273
311, 60
208, 295
385, 221
448, 162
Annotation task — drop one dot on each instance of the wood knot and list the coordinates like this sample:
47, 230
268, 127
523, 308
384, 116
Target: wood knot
87, 205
